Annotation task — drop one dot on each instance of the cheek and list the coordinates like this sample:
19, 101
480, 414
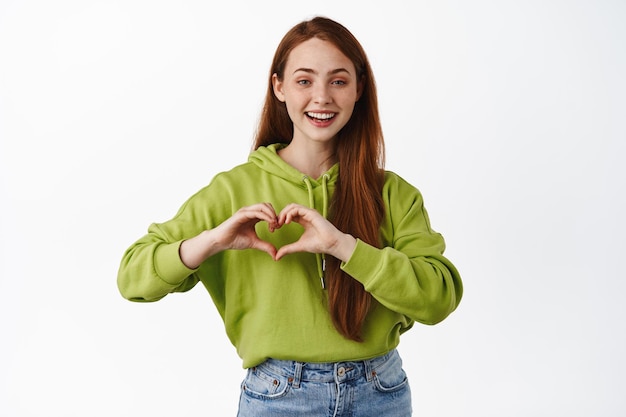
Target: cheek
292, 110
295, 104
349, 103
349, 98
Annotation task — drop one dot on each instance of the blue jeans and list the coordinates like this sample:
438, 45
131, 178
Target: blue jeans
376, 387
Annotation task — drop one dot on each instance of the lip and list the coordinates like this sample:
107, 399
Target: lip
320, 118
321, 114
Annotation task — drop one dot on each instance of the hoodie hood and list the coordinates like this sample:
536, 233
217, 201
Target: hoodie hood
267, 159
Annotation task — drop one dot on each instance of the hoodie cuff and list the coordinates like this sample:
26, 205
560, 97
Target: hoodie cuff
363, 265
168, 265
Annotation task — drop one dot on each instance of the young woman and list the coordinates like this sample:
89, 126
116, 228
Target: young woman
316, 258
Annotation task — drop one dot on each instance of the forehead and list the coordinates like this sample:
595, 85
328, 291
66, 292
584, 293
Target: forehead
318, 55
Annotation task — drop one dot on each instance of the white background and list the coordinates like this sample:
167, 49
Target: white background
507, 115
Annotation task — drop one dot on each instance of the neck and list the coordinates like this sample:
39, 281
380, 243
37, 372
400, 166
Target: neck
313, 161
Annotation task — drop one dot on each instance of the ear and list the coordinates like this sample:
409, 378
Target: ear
277, 85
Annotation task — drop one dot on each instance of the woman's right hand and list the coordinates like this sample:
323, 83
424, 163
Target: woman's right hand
237, 232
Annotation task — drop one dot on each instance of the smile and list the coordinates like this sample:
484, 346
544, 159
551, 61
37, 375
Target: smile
320, 116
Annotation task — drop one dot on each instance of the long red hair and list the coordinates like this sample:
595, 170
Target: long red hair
356, 207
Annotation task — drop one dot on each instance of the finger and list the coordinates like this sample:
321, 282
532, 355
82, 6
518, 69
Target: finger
269, 210
266, 208
260, 212
285, 250
301, 245
265, 247
291, 213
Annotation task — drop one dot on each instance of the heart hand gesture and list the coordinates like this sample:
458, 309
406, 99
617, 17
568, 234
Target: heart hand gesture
238, 232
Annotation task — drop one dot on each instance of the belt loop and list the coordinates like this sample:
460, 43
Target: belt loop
297, 375
369, 375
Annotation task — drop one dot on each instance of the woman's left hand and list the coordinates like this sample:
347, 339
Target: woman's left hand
320, 235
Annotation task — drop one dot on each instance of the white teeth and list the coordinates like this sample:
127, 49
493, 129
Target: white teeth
321, 116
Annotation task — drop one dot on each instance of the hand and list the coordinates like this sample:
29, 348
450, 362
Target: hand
320, 235
237, 232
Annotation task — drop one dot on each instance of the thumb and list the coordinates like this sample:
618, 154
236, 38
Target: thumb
287, 249
265, 247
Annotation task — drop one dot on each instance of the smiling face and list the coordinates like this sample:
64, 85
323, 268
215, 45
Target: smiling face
319, 88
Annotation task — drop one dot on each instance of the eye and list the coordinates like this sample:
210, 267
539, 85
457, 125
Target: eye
303, 82
339, 82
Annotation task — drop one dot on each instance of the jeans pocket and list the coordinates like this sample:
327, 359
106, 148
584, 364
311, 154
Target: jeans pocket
263, 385
390, 379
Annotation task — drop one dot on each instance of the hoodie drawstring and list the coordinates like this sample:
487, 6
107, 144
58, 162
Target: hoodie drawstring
320, 258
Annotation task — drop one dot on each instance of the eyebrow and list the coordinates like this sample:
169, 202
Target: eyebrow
312, 71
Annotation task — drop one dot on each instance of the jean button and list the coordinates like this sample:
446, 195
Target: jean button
341, 371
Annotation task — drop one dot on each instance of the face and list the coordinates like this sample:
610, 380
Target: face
319, 88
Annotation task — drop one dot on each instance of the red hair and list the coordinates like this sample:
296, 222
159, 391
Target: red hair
356, 207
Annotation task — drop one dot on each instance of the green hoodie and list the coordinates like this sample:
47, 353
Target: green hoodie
279, 309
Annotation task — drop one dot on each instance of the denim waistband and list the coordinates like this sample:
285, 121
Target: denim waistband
297, 372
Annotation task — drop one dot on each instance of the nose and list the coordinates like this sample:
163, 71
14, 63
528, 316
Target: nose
321, 94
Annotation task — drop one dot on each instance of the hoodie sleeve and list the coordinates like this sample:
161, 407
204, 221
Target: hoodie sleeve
151, 267
409, 274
